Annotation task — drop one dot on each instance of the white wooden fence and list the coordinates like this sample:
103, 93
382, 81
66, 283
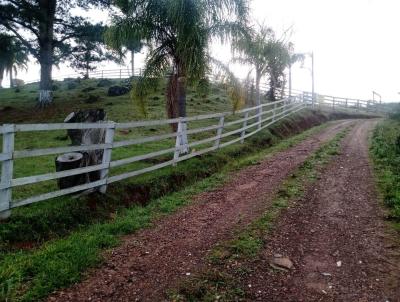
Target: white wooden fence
219, 135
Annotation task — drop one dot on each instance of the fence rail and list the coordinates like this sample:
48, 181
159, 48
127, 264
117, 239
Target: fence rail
221, 130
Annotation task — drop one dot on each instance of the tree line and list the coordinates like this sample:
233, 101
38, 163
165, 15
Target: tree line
177, 33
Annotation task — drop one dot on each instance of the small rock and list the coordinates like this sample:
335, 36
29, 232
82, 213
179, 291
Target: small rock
278, 256
339, 263
187, 274
326, 274
282, 263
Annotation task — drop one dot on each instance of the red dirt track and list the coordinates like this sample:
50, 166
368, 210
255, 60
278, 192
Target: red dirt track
156, 259
337, 239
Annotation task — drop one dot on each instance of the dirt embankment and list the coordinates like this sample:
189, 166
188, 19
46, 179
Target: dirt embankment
336, 238
153, 260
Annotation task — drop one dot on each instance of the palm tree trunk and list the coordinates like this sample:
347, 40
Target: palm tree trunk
87, 70
11, 77
172, 102
181, 94
290, 80
181, 88
258, 97
133, 63
1, 76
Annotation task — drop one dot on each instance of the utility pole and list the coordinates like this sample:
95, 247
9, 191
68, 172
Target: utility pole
312, 76
311, 54
374, 94
290, 79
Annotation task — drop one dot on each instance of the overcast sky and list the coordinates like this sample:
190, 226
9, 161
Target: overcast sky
355, 44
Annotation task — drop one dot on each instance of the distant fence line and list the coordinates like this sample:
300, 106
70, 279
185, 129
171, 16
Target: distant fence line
125, 73
250, 121
122, 73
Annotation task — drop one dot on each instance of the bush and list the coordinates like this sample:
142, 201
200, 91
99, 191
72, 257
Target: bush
92, 98
88, 89
72, 85
117, 90
104, 83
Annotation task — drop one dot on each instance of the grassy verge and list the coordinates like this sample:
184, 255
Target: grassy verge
385, 153
229, 261
29, 275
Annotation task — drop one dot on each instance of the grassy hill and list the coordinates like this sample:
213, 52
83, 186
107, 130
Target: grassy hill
18, 105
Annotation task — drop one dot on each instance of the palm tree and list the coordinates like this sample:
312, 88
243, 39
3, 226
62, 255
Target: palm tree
13, 56
133, 44
279, 59
255, 49
178, 33
294, 58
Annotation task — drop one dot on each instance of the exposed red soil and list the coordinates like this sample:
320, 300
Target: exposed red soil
153, 260
335, 236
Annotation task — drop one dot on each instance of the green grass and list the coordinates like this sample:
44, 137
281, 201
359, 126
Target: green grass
31, 275
385, 152
229, 261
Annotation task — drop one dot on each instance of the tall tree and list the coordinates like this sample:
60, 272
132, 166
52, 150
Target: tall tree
89, 49
45, 28
294, 58
134, 46
13, 56
178, 33
255, 50
279, 59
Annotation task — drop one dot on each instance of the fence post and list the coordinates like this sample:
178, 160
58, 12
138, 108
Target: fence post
178, 142
7, 172
219, 131
102, 74
284, 105
109, 139
333, 103
347, 100
259, 113
246, 116
358, 104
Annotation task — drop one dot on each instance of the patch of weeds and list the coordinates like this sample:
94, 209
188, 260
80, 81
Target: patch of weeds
209, 286
385, 153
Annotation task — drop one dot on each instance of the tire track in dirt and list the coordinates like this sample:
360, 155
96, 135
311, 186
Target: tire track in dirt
153, 260
341, 248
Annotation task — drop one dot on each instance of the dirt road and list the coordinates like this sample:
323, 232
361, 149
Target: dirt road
337, 239
153, 260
